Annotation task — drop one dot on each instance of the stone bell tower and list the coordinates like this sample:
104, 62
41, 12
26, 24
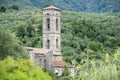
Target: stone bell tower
51, 28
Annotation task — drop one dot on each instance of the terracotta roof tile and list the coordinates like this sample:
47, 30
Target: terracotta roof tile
37, 50
61, 63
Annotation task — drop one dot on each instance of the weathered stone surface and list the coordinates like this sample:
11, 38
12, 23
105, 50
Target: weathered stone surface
50, 56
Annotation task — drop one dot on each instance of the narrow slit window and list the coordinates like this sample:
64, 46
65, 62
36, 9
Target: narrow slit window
48, 24
56, 24
48, 14
56, 43
48, 44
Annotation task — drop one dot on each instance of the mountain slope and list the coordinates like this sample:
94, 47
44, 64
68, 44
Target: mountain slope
20, 3
77, 5
96, 33
74, 5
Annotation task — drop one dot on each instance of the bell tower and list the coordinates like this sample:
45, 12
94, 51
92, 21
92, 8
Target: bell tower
51, 28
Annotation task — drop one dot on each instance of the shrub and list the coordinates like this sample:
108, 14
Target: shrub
21, 69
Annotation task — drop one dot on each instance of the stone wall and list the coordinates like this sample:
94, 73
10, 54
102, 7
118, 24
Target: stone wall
49, 60
51, 34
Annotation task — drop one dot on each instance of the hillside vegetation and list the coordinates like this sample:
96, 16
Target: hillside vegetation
14, 60
96, 34
91, 33
90, 41
74, 5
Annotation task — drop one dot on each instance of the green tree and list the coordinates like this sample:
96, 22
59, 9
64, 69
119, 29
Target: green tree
46, 5
107, 69
9, 45
30, 31
21, 69
21, 31
15, 7
94, 45
2, 8
65, 71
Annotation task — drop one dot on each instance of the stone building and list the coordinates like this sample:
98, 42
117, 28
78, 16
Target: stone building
50, 56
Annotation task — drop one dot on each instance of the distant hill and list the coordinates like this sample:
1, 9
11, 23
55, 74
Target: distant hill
73, 5
97, 33
20, 3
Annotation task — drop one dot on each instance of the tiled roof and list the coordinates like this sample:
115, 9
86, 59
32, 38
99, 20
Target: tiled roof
37, 50
61, 63
51, 8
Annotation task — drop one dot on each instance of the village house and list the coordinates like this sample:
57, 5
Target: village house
50, 56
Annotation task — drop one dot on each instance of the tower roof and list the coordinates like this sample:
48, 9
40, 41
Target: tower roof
51, 8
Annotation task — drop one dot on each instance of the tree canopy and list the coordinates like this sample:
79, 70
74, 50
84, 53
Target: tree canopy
21, 69
9, 45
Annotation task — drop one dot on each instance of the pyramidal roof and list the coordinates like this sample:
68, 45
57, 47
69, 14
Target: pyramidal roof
51, 8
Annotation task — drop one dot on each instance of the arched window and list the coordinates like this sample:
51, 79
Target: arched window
56, 24
45, 63
40, 60
48, 44
48, 24
48, 14
56, 43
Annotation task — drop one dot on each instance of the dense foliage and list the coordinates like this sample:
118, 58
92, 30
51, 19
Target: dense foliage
92, 69
21, 69
15, 68
97, 34
76, 5
9, 45
90, 39
108, 69
26, 24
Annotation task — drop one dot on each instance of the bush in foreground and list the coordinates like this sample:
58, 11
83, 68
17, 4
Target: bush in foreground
21, 69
